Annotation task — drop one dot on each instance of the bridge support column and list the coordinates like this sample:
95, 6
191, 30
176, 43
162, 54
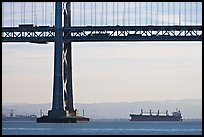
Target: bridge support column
67, 63
57, 104
68, 92
58, 114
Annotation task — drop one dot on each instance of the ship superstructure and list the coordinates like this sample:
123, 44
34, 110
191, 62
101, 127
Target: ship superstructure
176, 116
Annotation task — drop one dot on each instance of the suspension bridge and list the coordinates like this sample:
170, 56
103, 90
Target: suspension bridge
94, 21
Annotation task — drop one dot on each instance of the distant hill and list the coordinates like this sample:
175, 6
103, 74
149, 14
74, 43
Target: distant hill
190, 108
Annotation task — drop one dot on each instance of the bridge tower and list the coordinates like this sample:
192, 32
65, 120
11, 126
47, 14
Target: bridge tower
67, 64
57, 104
62, 74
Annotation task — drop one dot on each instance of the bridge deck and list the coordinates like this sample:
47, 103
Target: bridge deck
44, 34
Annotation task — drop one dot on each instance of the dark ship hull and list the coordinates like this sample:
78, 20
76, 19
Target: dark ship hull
154, 118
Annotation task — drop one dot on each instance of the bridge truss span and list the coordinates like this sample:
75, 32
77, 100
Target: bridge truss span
134, 33
104, 33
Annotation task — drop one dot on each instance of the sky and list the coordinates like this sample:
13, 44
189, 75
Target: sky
104, 71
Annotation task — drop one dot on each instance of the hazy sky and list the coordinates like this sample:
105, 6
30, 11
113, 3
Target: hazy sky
112, 72
140, 13
104, 72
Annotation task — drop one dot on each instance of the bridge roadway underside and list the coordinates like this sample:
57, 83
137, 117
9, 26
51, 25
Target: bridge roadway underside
44, 34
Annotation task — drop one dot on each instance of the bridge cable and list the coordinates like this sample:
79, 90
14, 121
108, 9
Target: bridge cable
191, 12
11, 12
84, 14
179, 13
156, 14
53, 13
91, 11
123, 13
168, 13
157, 17
32, 12
45, 13
24, 5
35, 16
80, 15
146, 12
173, 13
72, 18
196, 13
151, 11
185, 15
102, 15
128, 13
106, 12
3, 14
113, 13
135, 14
117, 12
162, 13
140, 13
185, 12
95, 13
21, 12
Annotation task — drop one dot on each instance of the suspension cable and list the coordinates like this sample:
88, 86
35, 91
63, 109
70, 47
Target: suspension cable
185, 12
91, 12
168, 13
140, 13
32, 12
84, 14
80, 15
11, 12
24, 5
51, 18
157, 20
128, 13
35, 16
151, 11
53, 13
196, 13
117, 13
102, 15
162, 12
113, 13
45, 13
106, 12
124, 14
146, 12
135, 14
95, 13
179, 13
21, 12
72, 13
173, 13
191, 12
2, 14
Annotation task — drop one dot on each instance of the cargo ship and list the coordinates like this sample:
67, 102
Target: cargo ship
176, 116
18, 117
